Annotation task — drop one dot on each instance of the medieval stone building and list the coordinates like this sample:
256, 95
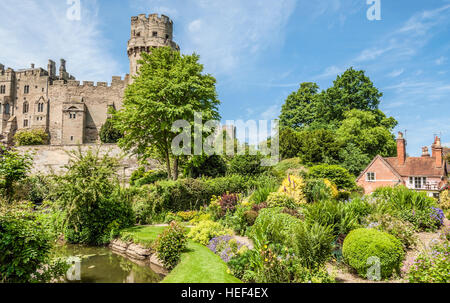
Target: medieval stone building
72, 113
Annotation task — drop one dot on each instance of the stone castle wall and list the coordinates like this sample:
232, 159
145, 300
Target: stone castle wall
49, 159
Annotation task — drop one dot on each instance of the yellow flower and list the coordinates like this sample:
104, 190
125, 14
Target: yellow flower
265, 246
267, 260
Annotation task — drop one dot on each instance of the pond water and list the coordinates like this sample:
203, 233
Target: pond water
101, 265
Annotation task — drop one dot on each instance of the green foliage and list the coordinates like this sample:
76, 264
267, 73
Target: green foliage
300, 108
250, 217
13, 168
26, 248
432, 266
273, 226
288, 166
404, 231
31, 137
109, 133
335, 215
313, 244
290, 144
316, 190
262, 193
369, 132
335, 173
353, 159
248, 165
362, 244
169, 87
170, 244
204, 231
318, 146
402, 198
95, 206
148, 177
422, 220
281, 200
206, 166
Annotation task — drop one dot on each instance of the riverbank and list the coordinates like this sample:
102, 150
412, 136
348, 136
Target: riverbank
198, 264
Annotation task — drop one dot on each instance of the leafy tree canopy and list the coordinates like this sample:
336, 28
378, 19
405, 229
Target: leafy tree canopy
169, 87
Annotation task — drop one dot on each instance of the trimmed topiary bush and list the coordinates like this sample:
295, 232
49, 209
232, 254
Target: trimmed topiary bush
362, 244
31, 137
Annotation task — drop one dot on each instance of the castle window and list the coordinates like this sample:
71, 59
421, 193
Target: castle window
25, 107
155, 34
167, 36
72, 116
40, 107
2, 89
26, 89
6, 111
71, 138
25, 123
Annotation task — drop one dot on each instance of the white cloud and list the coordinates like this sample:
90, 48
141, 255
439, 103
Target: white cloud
396, 73
34, 31
331, 71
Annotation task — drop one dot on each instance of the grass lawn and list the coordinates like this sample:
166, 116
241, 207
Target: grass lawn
198, 264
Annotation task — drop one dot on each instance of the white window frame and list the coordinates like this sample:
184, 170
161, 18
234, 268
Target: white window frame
368, 179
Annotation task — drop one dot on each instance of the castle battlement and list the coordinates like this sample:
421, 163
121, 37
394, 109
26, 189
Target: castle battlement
155, 18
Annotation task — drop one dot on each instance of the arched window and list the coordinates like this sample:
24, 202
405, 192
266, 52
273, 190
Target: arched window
40, 107
26, 107
6, 108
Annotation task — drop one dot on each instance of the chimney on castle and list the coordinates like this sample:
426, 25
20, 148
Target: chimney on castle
425, 152
51, 67
437, 151
62, 69
401, 149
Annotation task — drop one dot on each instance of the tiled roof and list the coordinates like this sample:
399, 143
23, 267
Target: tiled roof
417, 166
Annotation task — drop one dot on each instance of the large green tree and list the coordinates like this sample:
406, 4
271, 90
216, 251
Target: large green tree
169, 87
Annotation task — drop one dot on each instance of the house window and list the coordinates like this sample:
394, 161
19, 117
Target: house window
26, 89
2, 89
40, 107
371, 176
419, 182
25, 107
25, 123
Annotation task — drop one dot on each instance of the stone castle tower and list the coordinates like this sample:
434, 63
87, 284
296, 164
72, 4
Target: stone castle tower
147, 33
71, 112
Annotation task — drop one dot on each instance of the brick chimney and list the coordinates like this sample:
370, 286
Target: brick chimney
437, 151
425, 152
401, 149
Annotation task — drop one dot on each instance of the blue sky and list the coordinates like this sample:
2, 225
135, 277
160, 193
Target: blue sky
259, 50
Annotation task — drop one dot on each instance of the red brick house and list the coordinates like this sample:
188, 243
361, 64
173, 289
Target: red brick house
426, 173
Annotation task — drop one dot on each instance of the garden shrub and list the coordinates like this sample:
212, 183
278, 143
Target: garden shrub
13, 169
404, 231
335, 173
293, 186
248, 165
261, 194
31, 137
250, 217
96, 207
170, 244
109, 133
25, 247
205, 166
273, 226
220, 206
444, 200
430, 219
432, 266
401, 198
148, 177
317, 190
236, 220
362, 244
313, 244
281, 200
204, 231
334, 214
